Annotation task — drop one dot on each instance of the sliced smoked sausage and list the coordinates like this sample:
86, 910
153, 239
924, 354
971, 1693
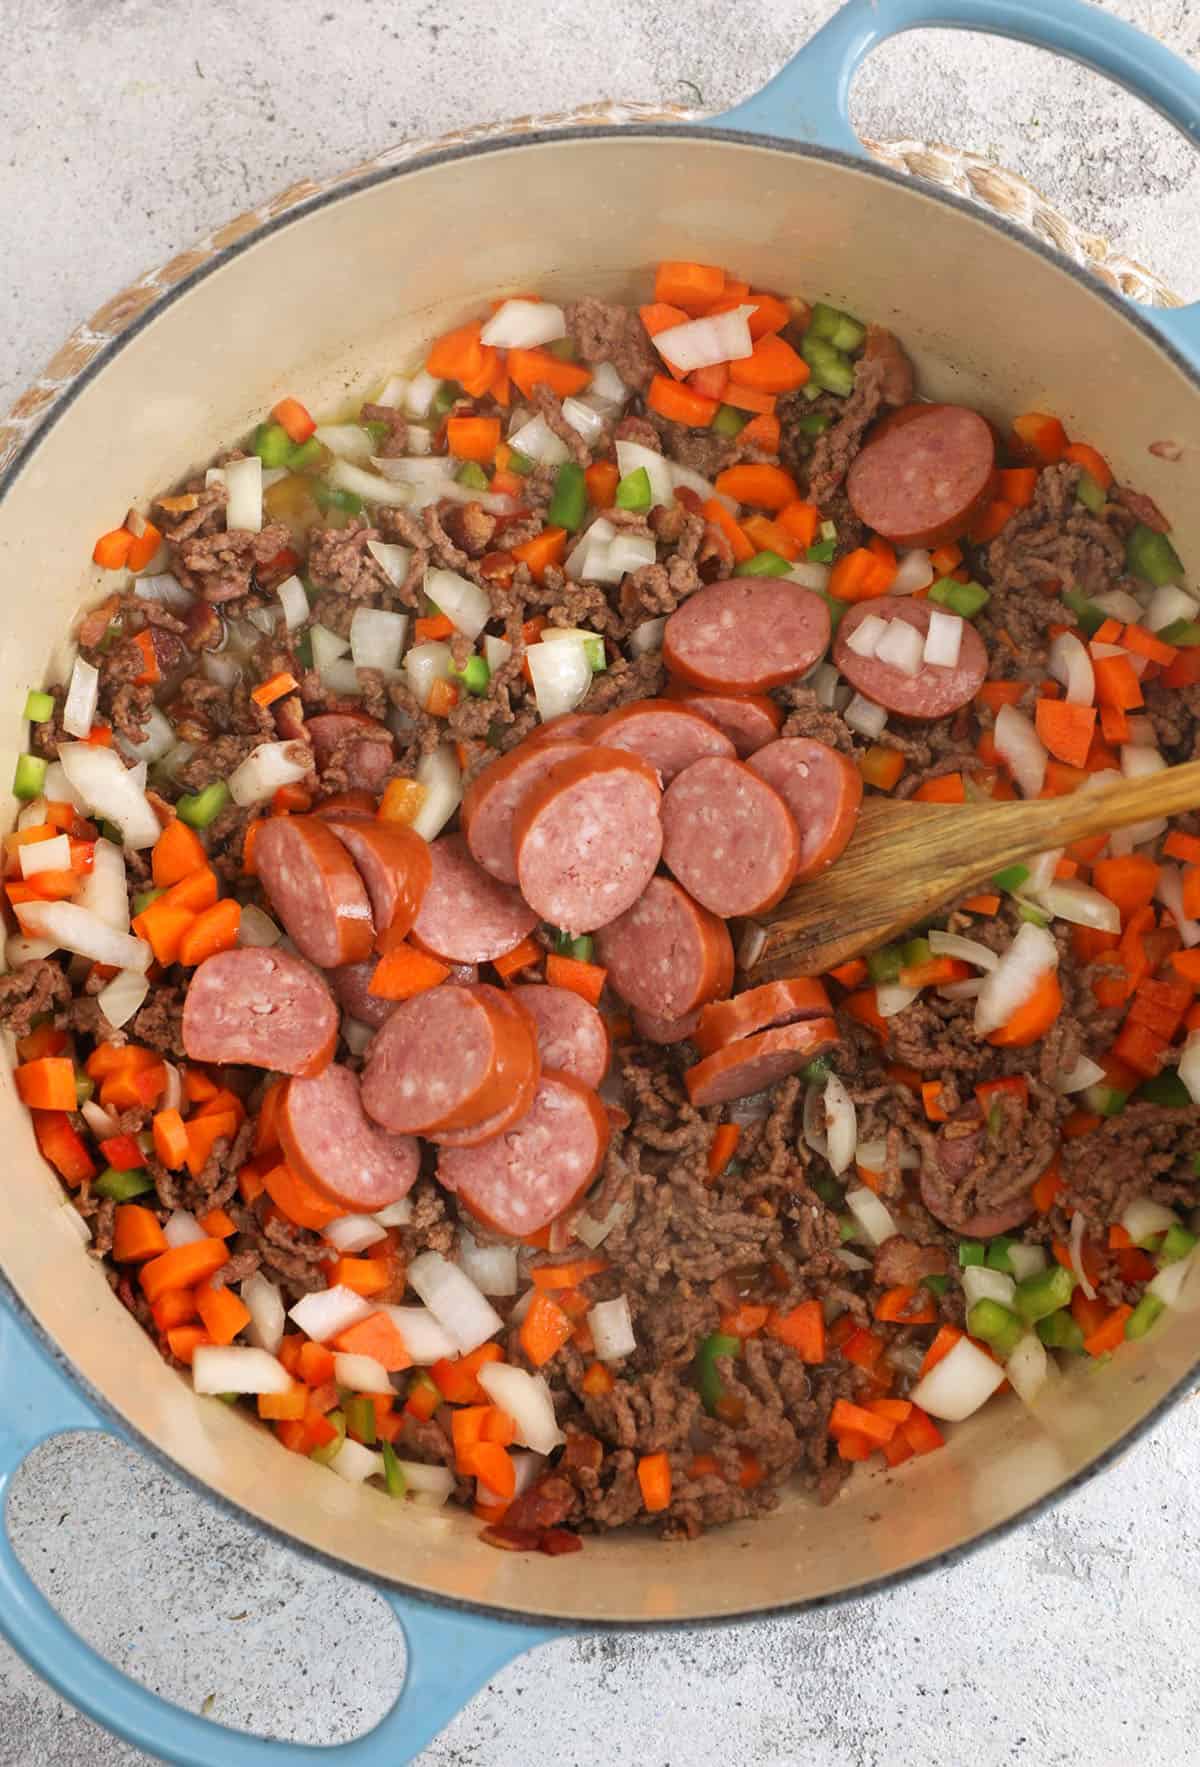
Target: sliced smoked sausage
953, 1177
362, 747
926, 476
448, 1059
934, 691
315, 889
668, 735
822, 788
572, 1037
748, 719
746, 633
492, 800
517, 1107
520, 1181
667, 955
346, 803
729, 837
753, 1063
261, 1007
569, 727
665, 1030
330, 1141
758, 1009
394, 864
588, 838
466, 915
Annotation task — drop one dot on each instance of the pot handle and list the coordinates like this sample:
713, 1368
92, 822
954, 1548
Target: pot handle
809, 98
451, 1653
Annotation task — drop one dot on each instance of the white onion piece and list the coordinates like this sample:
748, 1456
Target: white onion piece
18, 949
851, 1260
492, 1268
429, 1486
77, 929
893, 997
257, 928
33, 815
455, 1301
959, 1384
98, 1120
612, 1329
329, 1311
825, 683
648, 636
901, 647
420, 393
51, 855
496, 651
702, 343
562, 675
341, 677
865, 716
1069, 662
841, 1124
1169, 891
166, 588
954, 945
111, 791
1139, 761
809, 575
1041, 868
1016, 976
370, 486
264, 770
629, 552
1021, 748
426, 664
1178, 1285
119, 999
872, 1214
1068, 899
426, 476
464, 603
356, 1035
392, 560
294, 602
597, 533
393, 392
264, 1303
349, 441
182, 1228
1027, 1260
439, 774
539, 441
362, 1374
218, 1368
523, 325
1168, 604
354, 1233
1119, 605
377, 638
631, 455
356, 1464
594, 1232
158, 739
79, 707
608, 385
584, 419
1076, 1248
397, 1214
1144, 1218
1189, 1066
1085, 1073
968, 989
527, 1400
1029, 1368
425, 1340
223, 668
981, 1284
943, 641
696, 481
244, 495
871, 1154
915, 571
864, 640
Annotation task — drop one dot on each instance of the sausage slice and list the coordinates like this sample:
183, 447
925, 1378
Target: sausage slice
729, 837
364, 748
572, 1037
926, 475
492, 800
448, 1059
665, 1030
394, 864
329, 1140
758, 1009
934, 691
262, 1007
669, 736
588, 838
667, 954
466, 915
752, 1063
746, 633
749, 719
822, 788
315, 889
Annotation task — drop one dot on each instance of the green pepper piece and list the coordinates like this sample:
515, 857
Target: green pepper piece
1185, 634
1152, 557
729, 422
1105, 1100
123, 1185
360, 1420
831, 370
332, 497
1032, 913
521, 464
443, 400
763, 564
272, 444
965, 599
835, 327
847, 1228
1043, 1293
472, 475
394, 1480
816, 1072
821, 552
39, 707
580, 948
708, 1375
378, 432
830, 1192
1011, 878
143, 900
971, 1251
914, 952
304, 455
1177, 1243
1089, 616
1148, 1310
85, 1086
1061, 1331
885, 964
937, 1285
997, 1325
303, 650
633, 491
568, 505
1166, 1088
997, 1257
474, 675
1090, 493
200, 808
29, 777
563, 348
812, 423
330, 1451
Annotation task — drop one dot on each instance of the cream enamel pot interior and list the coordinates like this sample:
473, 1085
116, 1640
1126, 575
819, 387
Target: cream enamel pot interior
322, 302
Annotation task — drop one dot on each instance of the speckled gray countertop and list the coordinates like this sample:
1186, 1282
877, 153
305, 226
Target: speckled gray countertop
133, 127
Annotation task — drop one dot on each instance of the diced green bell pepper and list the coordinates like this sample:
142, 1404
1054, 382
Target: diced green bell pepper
143, 900
39, 707
200, 808
633, 491
763, 564
971, 1252
360, 1420
394, 1480
1105, 1100
1177, 1243
816, 1072
472, 475
85, 1086
965, 599
1043, 1293
332, 497
1011, 878
443, 400
1061, 1331
821, 552
272, 444
1090, 493
997, 1255
830, 1192
997, 1325
303, 455
580, 948
1152, 557
812, 423
330, 1451
123, 1185
835, 327
568, 505
1165, 1088
474, 675
1184, 634
708, 1375
729, 422
563, 348
1148, 1310
29, 777
885, 964
831, 370
519, 463
1089, 616
937, 1285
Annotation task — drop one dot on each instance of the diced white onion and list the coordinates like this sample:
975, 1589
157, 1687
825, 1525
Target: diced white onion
1015, 978
631, 455
893, 997
264, 1303
562, 675
357, 1464
954, 945
377, 638
1178, 1285
968, 989
703, 343
464, 603
809, 575
648, 636
438, 773
99, 1121
1085, 1073
1144, 1218
1076, 1248
523, 325
455, 1301
527, 1400
425, 1340
492, 1268
231, 1368
1166, 605
329, 1311
539, 441
1189, 1066
901, 647
865, 716
158, 739
915, 571
397, 1214
1139, 761
1021, 748
165, 588
393, 392
1029, 1368
1119, 605
959, 1384
119, 999
826, 681
221, 667
370, 486
420, 393
814, 1121
841, 1124
18, 949
593, 1232
981, 1284
612, 1329
872, 1214
79, 707
584, 419
1069, 662
424, 665
496, 651
429, 1486
1068, 899
1169, 891
851, 1260
356, 1035
327, 647
864, 640
294, 602
362, 1374
392, 560
425, 475
608, 385
51, 855
77, 929
943, 641
349, 441
629, 552
354, 1233
257, 928
182, 1228
264, 770
1026, 1260
244, 495
596, 535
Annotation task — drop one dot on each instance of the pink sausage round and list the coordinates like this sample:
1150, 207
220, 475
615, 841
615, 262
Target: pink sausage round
315, 888
572, 1037
667, 955
492, 800
749, 720
925, 476
746, 633
467, 916
668, 735
329, 1140
665, 1030
351, 984
729, 838
262, 1007
588, 838
934, 691
821, 787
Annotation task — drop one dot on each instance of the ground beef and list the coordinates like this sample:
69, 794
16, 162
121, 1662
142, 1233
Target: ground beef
470, 527
30, 991
338, 559
606, 332
897, 384
700, 450
1054, 540
623, 681
1145, 1151
159, 1022
221, 566
807, 717
836, 447
396, 441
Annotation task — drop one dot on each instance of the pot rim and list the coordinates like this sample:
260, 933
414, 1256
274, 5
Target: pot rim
368, 179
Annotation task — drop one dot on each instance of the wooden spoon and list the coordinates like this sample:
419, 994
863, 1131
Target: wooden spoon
906, 860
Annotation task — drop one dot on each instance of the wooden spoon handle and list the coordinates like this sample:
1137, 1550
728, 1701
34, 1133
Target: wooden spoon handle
1092, 810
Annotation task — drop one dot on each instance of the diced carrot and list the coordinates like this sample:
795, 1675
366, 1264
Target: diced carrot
768, 536
111, 551
990, 522
988, 904
1129, 880
722, 1147
178, 852
920, 1432
544, 1329
1032, 1020
555, 1276
1114, 724
267, 692
709, 382
170, 1139
693, 287
291, 416
176, 1307
1108, 632
763, 432
366, 1276
1109, 1335
136, 1234
184, 1340
1182, 846
375, 1336
405, 971
680, 403
493, 1466
150, 671
459, 355
860, 575
853, 1446
530, 368
846, 1417
597, 1379
994, 694
456, 1379
802, 1329
1018, 485
850, 974
1082, 454
931, 1095
217, 1224
182, 1266
601, 480
224, 1313
1041, 438
772, 366
545, 549
431, 627
946, 789
144, 546
943, 1343
585, 979
654, 1477
895, 1306
296, 1199
473, 438
1116, 683
47, 1084
163, 925
214, 930
863, 1348
1066, 729
720, 517
1140, 1048
864, 1007
946, 558
522, 956
1143, 643
763, 487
